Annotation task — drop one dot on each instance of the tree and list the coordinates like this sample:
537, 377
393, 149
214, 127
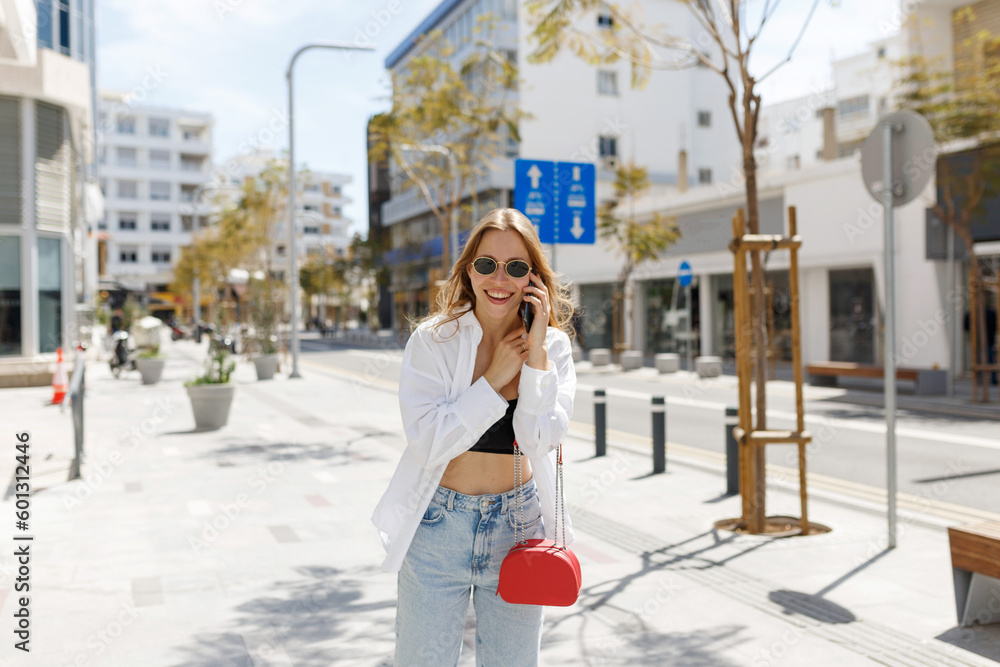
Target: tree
731, 33
636, 241
469, 111
961, 105
241, 237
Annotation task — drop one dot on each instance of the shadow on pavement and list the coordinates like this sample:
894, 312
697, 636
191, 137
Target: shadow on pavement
811, 606
982, 640
304, 618
237, 449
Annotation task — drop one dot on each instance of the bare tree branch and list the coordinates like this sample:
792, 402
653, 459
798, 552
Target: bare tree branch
805, 24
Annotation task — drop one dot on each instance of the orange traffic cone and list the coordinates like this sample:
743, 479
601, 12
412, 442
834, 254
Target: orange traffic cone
60, 381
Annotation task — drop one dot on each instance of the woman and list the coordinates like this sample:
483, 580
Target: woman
473, 380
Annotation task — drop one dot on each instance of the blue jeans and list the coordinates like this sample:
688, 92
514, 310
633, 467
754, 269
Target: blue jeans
457, 551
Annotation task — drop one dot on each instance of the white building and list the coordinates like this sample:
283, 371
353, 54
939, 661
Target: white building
320, 200
155, 163
678, 127
46, 150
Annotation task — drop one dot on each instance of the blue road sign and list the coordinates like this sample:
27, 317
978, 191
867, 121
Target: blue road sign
577, 221
684, 274
534, 195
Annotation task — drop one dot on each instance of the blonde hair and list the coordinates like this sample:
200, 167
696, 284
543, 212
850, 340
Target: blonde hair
457, 290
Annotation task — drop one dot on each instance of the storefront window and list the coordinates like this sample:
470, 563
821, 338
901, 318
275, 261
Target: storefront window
49, 294
852, 316
596, 321
667, 317
780, 314
10, 295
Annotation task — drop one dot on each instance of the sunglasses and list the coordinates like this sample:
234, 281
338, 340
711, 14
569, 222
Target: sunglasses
487, 266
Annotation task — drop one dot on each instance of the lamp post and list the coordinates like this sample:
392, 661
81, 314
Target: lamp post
453, 164
293, 281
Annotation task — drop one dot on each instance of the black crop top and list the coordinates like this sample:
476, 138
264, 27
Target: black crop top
499, 438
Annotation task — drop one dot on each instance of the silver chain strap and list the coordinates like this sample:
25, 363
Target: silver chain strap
560, 502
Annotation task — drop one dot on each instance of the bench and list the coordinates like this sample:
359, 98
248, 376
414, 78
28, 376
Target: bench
975, 562
929, 381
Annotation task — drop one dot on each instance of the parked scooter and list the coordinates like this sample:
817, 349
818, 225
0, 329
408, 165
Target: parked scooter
121, 357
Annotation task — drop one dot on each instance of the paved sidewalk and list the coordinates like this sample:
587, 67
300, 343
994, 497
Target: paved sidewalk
251, 545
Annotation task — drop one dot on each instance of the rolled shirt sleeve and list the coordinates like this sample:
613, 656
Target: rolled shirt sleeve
439, 422
545, 399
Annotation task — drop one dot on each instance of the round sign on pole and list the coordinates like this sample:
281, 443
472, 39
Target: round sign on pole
913, 157
684, 274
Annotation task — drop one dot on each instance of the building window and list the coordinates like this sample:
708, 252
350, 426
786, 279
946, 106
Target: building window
159, 190
160, 256
881, 52
160, 222
159, 127
311, 187
191, 134
44, 10
10, 294
310, 207
126, 125
191, 163
310, 229
605, 21
853, 106
705, 176
704, 119
159, 159
607, 146
128, 190
792, 162
50, 312
128, 255
127, 221
187, 193
607, 82
125, 157
203, 221
63, 33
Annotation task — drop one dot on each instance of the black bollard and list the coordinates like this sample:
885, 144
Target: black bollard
732, 453
600, 422
659, 410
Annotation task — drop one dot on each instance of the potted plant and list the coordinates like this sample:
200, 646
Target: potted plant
150, 364
212, 393
265, 342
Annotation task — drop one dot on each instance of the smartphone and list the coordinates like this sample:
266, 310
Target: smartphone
528, 314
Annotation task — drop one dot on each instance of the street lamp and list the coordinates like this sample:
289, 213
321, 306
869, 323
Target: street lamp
294, 280
453, 163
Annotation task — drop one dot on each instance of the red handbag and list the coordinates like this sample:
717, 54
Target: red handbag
536, 571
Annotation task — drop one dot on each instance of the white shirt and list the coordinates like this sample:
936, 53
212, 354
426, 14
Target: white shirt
445, 413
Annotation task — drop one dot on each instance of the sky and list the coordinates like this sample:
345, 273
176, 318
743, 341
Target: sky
229, 57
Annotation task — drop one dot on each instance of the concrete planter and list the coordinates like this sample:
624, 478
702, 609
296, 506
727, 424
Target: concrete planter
668, 362
151, 369
600, 357
210, 404
708, 367
631, 360
266, 365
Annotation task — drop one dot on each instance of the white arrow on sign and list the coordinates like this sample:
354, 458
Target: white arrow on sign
576, 173
534, 174
577, 229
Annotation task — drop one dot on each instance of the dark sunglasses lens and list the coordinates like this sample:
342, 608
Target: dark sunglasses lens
518, 269
484, 266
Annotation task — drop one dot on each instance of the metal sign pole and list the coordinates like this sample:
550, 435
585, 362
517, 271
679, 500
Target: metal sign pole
690, 331
889, 379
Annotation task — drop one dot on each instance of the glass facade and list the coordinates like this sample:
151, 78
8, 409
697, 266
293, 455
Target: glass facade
853, 320
667, 317
597, 316
67, 29
50, 315
10, 295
